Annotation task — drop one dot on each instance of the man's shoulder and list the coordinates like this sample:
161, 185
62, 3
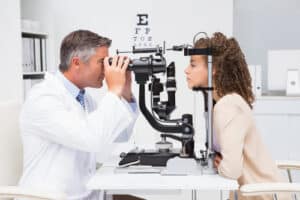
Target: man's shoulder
49, 86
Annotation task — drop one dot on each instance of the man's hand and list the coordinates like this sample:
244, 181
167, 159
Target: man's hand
127, 92
217, 160
115, 74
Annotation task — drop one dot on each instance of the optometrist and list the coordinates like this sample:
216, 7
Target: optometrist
63, 128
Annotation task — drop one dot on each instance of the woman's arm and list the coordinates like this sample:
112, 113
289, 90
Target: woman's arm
231, 125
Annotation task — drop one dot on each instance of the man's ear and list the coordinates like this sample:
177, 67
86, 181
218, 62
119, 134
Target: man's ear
75, 61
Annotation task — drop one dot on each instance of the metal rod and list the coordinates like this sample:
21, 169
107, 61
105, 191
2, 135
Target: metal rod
291, 180
289, 175
194, 194
210, 105
236, 196
104, 195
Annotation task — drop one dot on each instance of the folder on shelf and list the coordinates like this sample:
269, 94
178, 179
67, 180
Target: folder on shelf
44, 59
37, 55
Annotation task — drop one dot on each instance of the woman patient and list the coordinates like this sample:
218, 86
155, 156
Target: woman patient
243, 156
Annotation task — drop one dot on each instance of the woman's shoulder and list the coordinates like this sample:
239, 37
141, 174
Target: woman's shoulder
230, 106
233, 101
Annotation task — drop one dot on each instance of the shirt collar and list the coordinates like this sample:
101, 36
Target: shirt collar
71, 87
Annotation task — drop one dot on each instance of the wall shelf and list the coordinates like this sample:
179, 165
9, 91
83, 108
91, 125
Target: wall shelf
36, 75
34, 58
34, 34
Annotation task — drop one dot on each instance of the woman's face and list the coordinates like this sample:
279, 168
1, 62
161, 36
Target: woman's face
196, 72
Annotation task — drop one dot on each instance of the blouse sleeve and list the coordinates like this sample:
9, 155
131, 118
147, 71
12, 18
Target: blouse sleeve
231, 125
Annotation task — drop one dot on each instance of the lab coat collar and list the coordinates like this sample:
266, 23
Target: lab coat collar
73, 89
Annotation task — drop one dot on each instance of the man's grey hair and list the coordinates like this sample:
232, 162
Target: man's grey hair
80, 43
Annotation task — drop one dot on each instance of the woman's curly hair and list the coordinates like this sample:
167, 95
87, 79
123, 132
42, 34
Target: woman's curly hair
231, 70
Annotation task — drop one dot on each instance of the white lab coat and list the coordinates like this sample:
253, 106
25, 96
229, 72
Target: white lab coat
60, 139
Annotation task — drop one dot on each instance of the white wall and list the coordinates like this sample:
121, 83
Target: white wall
263, 25
174, 21
10, 51
278, 123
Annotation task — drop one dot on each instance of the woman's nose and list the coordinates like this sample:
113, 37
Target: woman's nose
186, 71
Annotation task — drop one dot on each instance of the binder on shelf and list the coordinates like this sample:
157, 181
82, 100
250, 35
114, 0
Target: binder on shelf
37, 55
34, 52
26, 55
34, 59
31, 55
43, 55
23, 55
258, 80
256, 73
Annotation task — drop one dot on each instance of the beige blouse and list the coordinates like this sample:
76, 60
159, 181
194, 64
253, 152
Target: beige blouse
245, 157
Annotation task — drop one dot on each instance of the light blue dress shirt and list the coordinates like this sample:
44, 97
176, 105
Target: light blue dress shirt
74, 90
61, 140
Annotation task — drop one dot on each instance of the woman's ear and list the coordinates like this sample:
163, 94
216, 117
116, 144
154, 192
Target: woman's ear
214, 71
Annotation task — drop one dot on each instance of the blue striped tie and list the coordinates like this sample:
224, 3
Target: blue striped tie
80, 98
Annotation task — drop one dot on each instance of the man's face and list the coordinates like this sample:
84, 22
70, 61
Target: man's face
92, 72
196, 72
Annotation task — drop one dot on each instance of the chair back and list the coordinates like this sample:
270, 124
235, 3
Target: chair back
11, 151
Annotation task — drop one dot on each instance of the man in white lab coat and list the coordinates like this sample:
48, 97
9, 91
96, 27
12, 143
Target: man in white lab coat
63, 128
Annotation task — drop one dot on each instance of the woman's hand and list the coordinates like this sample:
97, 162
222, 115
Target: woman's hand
217, 160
